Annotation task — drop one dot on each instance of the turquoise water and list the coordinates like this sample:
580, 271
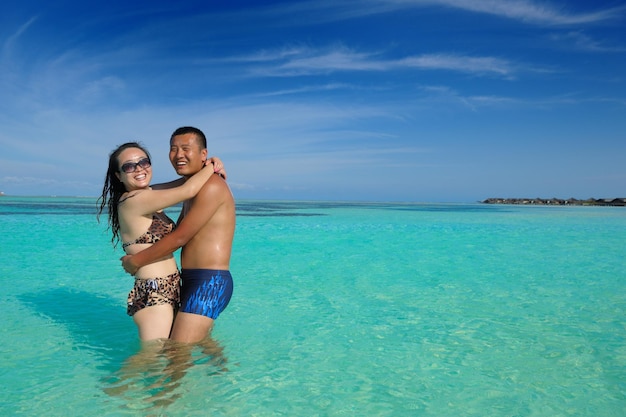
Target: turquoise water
339, 309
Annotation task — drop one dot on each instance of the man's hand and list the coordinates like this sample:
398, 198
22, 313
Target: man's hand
127, 264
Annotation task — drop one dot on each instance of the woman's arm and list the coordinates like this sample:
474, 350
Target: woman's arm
218, 168
148, 201
167, 185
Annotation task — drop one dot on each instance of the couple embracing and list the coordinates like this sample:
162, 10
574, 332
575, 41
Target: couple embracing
159, 305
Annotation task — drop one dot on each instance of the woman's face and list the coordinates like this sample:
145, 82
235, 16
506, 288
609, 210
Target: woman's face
137, 163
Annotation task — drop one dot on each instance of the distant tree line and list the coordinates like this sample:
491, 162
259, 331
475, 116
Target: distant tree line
558, 201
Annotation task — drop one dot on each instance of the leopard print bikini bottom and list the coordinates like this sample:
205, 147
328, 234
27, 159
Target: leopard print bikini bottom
154, 291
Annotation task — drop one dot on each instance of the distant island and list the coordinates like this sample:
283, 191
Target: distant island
621, 202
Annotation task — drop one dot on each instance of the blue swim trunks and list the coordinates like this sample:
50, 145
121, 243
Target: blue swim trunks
205, 292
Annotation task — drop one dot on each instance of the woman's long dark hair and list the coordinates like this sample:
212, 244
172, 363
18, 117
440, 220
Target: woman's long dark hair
113, 190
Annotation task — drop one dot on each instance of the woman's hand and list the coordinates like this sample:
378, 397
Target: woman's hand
218, 166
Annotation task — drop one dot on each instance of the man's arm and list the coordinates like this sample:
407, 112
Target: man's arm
202, 209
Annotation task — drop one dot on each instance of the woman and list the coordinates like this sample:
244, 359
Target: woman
136, 219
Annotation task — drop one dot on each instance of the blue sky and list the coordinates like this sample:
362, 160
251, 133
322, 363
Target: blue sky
381, 100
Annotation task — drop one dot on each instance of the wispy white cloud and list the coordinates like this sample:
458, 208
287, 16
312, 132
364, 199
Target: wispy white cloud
527, 11
307, 89
95, 90
461, 63
333, 60
43, 182
445, 95
264, 55
581, 41
341, 59
290, 138
10, 71
8, 45
442, 94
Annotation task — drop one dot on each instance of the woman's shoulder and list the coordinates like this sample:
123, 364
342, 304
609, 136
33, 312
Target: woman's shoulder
128, 195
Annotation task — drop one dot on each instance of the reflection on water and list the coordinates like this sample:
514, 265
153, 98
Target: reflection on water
82, 313
152, 378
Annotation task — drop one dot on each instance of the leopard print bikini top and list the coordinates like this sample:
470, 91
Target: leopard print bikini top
161, 225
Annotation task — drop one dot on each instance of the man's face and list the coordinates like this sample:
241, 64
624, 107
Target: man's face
185, 154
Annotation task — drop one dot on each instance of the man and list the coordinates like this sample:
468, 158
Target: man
205, 233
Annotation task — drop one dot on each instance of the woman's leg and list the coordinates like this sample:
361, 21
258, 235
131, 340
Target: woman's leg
154, 322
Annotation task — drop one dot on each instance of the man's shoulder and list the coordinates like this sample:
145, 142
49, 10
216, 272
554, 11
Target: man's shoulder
214, 186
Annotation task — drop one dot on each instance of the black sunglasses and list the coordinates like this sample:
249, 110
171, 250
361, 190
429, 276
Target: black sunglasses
129, 167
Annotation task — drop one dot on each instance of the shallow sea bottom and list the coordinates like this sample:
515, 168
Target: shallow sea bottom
338, 309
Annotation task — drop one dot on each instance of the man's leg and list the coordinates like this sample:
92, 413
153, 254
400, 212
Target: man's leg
191, 328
